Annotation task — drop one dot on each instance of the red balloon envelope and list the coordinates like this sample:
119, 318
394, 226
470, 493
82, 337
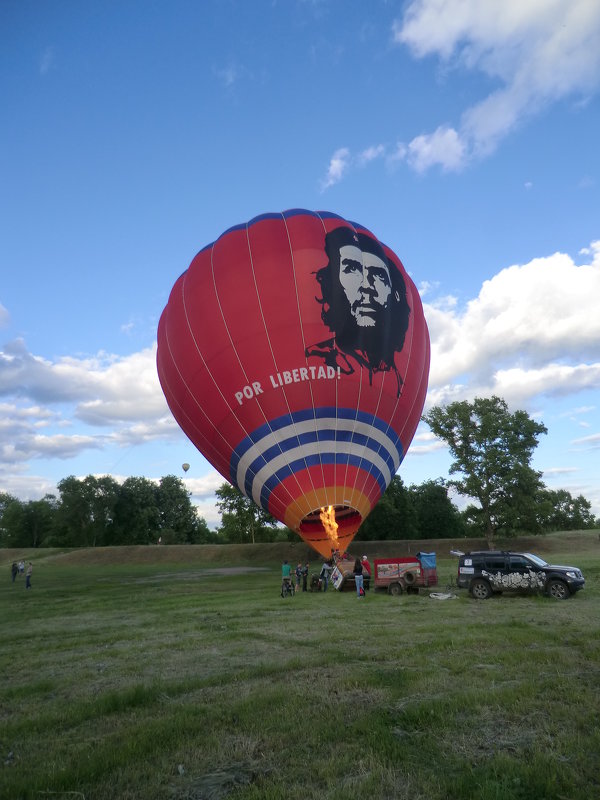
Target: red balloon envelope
294, 354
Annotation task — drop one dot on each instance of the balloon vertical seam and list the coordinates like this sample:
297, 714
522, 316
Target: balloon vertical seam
189, 391
302, 330
293, 499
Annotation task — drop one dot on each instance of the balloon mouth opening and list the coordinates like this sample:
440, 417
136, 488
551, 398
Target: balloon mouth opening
334, 523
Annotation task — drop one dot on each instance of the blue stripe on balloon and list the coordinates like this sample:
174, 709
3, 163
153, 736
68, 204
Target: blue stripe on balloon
389, 452
339, 459
359, 439
304, 415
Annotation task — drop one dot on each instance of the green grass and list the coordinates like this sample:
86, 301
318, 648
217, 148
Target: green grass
162, 680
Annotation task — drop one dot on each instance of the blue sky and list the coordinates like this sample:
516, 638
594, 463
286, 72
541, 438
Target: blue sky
463, 133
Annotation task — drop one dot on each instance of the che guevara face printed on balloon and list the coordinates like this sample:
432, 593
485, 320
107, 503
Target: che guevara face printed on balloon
363, 299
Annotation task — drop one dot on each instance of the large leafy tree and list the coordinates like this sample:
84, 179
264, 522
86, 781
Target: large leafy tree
558, 510
178, 520
28, 524
97, 511
101, 494
394, 516
492, 450
74, 516
85, 514
203, 534
5, 534
241, 519
437, 516
137, 516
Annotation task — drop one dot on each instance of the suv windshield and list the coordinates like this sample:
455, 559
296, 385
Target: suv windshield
536, 560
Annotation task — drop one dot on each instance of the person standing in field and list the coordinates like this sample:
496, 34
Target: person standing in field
286, 576
14, 571
298, 572
28, 574
325, 570
358, 577
305, 577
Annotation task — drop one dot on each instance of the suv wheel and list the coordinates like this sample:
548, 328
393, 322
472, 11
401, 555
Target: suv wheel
395, 589
558, 590
480, 590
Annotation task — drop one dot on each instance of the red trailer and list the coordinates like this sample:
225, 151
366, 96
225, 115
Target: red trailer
398, 575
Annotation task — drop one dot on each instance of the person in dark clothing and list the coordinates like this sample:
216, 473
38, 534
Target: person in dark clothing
305, 577
324, 575
358, 578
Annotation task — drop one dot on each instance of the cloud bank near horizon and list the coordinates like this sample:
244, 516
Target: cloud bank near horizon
521, 338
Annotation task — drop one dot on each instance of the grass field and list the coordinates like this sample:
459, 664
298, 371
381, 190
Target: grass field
179, 673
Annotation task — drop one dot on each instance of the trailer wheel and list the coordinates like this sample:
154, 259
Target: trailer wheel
395, 589
409, 578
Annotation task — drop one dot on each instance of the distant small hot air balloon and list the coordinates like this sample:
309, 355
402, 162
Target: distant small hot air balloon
294, 354
185, 467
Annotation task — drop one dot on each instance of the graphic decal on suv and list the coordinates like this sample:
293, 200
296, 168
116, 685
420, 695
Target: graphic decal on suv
515, 580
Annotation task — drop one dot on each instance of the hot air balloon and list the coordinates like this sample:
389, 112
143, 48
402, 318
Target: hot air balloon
185, 467
294, 354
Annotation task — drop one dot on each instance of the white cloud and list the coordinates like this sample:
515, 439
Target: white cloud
553, 379
397, 155
443, 147
119, 398
591, 442
560, 470
204, 486
575, 412
343, 160
124, 390
425, 442
535, 53
534, 329
208, 511
105, 388
337, 168
586, 182
538, 52
151, 430
370, 154
60, 445
4, 316
228, 75
47, 60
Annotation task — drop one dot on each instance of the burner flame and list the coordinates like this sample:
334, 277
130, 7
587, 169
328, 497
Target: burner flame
327, 516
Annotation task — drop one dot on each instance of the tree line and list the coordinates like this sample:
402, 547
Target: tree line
100, 511
491, 447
